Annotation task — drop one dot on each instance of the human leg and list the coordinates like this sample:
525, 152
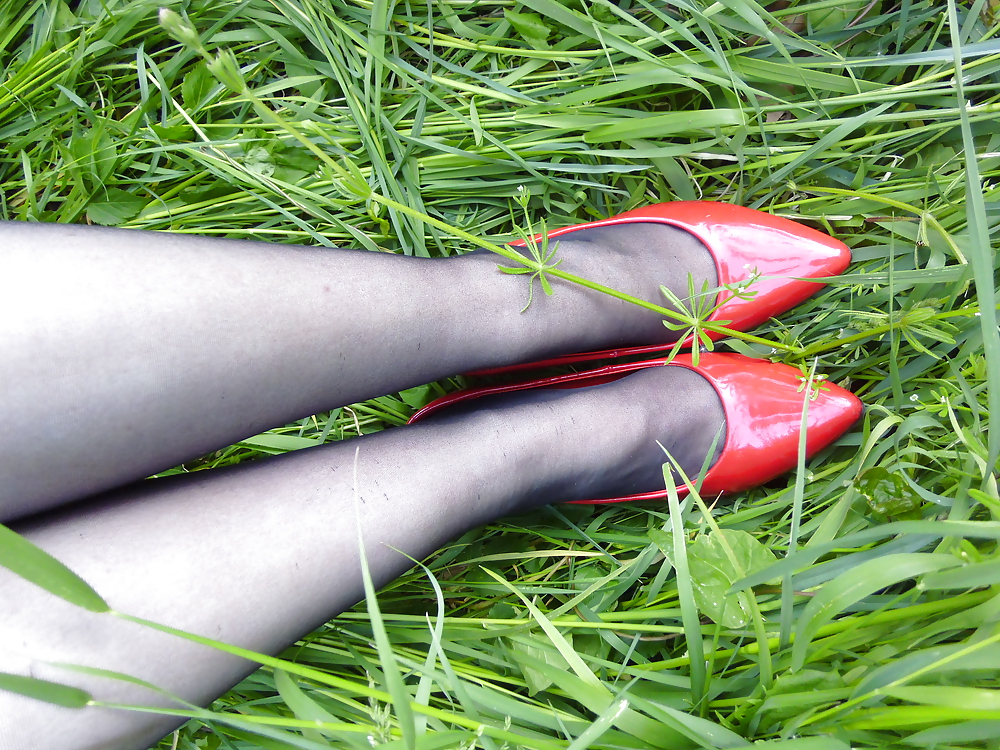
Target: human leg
150, 349
257, 555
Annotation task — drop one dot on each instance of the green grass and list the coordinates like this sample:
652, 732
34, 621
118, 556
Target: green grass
591, 626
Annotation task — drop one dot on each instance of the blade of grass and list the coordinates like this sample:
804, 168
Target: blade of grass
982, 255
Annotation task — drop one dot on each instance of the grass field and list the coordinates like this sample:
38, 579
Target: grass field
853, 602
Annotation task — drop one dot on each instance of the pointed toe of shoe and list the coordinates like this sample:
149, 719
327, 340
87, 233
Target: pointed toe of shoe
784, 261
778, 255
763, 404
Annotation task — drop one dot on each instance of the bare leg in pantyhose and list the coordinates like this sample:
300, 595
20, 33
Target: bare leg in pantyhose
260, 554
142, 350
197, 344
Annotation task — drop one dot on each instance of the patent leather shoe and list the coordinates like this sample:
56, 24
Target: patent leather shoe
762, 402
782, 256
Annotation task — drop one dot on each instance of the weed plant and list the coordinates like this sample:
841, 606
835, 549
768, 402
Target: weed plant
852, 603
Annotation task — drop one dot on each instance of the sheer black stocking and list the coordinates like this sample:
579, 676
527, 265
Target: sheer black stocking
125, 353
128, 352
260, 554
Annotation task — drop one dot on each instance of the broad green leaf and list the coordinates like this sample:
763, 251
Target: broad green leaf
531, 27
887, 492
43, 690
598, 31
258, 161
94, 152
33, 564
65, 21
295, 157
713, 573
836, 17
198, 81
172, 132
115, 207
418, 397
103, 155
663, 541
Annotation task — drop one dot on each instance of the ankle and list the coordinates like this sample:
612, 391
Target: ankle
600, 441
635, 258
654, 417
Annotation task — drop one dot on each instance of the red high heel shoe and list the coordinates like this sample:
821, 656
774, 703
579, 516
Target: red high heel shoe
741, 240
763, 406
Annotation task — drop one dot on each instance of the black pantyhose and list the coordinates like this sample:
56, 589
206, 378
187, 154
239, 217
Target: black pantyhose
260, 554
155, 348
142, 350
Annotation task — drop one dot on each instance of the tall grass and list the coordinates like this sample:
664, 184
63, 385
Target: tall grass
860, 593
